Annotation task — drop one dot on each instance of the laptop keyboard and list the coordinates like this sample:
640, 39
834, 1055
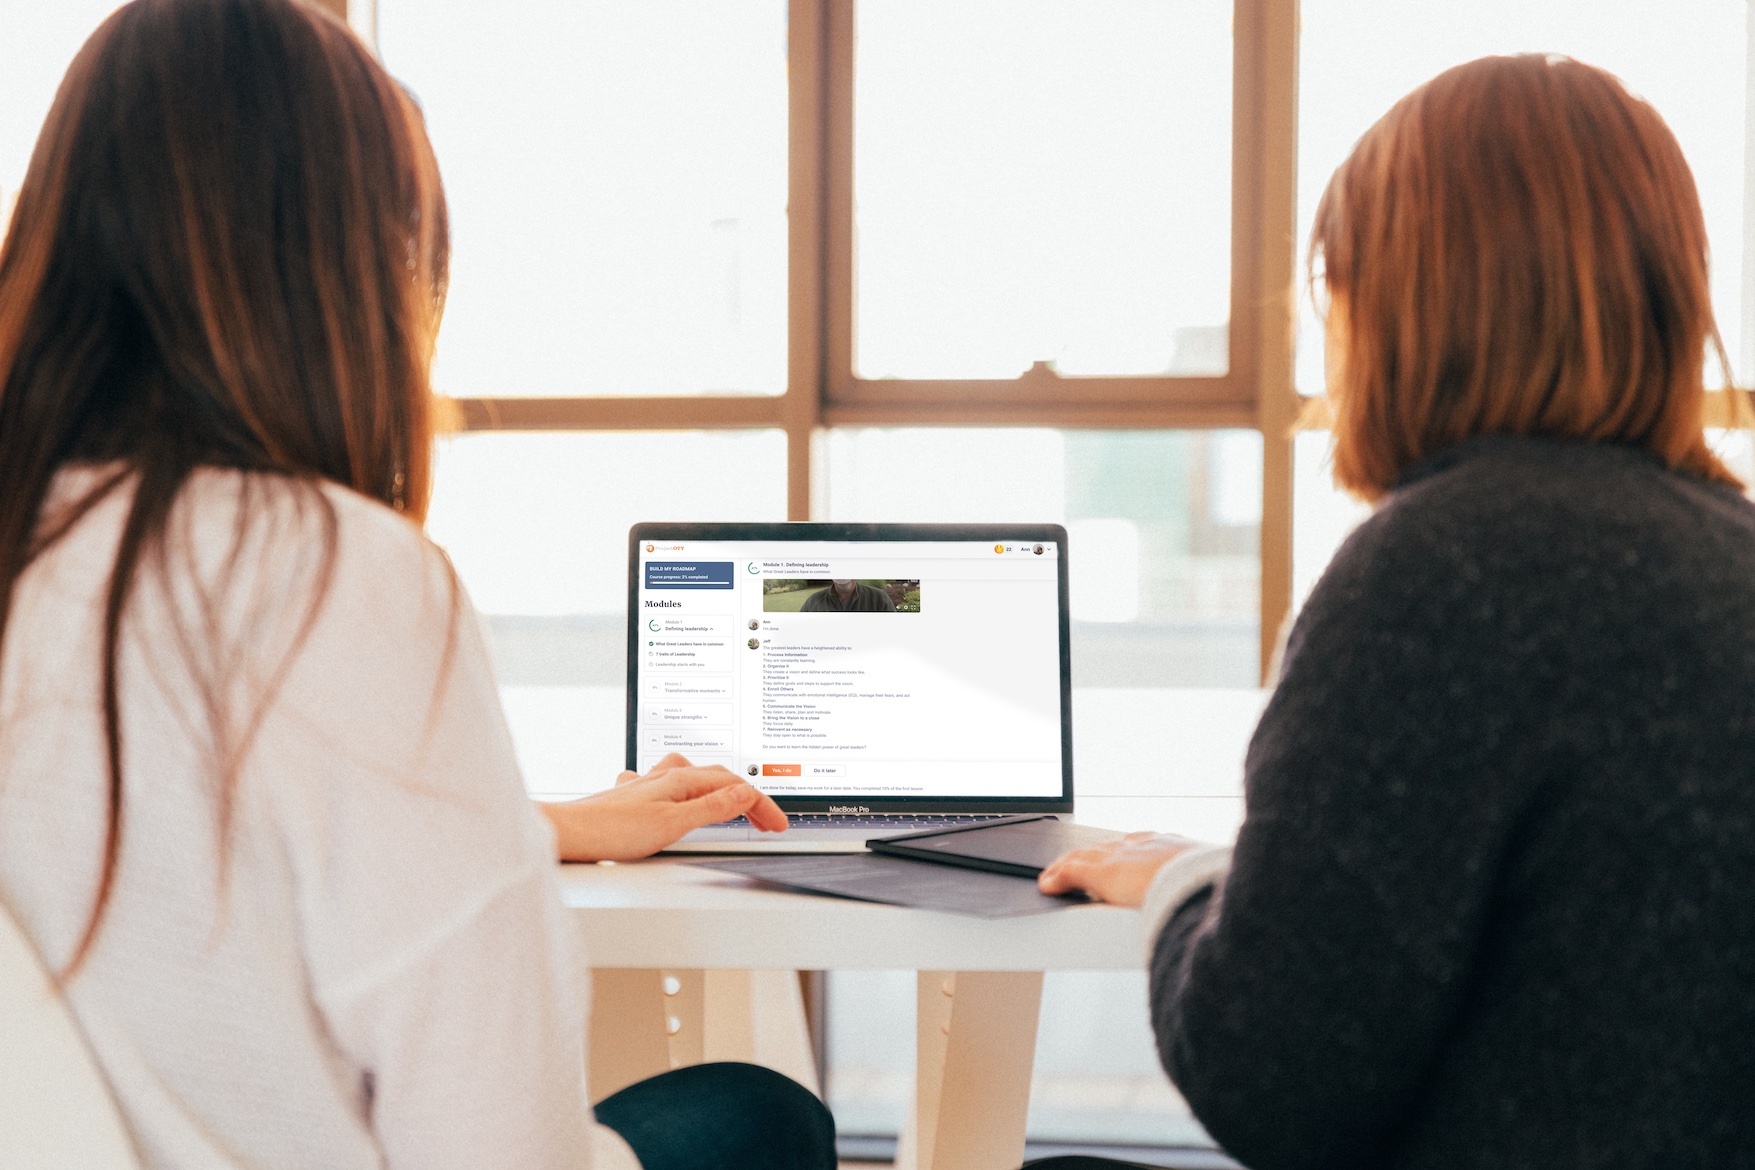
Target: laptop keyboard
877, 820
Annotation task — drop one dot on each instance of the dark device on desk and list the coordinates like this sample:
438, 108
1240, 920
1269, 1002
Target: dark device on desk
1020, 846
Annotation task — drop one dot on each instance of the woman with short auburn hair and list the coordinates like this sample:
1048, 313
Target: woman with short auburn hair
1490, 905
259, 808
1492, 273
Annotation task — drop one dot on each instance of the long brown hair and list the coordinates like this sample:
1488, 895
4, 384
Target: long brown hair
229, 251
1518, 248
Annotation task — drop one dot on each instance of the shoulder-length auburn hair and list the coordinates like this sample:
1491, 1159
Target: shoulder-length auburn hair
229, 251
1516, 248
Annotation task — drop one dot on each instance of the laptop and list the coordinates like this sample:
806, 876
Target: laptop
871, 678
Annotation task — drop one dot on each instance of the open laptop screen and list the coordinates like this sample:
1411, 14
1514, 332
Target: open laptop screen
915, 667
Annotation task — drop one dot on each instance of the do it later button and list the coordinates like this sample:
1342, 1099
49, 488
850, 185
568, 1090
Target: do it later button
782, 770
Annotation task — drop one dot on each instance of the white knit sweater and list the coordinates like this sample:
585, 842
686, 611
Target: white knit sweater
371, 967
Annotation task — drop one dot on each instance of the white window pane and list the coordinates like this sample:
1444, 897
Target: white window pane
1163, 527
1688, 59
617, 183
1042, 180
537, 525
37, 43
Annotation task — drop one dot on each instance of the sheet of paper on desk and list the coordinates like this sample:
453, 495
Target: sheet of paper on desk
897, 881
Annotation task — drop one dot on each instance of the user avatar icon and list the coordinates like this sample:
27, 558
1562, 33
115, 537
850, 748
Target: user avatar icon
753, 770
1038, 550
755, 624
755, 643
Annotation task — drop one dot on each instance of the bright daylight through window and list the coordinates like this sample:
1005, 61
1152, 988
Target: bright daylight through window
1016, 164
617, 183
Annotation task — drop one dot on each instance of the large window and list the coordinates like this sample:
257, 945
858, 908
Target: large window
847, 225
844, 227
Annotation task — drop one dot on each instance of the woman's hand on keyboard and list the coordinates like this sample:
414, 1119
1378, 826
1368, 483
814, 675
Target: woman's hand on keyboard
643, 814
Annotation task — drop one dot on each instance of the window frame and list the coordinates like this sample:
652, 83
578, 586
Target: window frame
822, 390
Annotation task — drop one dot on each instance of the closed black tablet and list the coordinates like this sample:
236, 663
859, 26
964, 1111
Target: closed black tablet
1023, 846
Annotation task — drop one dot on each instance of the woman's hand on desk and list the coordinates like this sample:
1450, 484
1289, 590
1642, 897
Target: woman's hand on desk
643, 814
1119, 872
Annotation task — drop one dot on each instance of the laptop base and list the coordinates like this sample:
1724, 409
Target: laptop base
817, 833
787, 842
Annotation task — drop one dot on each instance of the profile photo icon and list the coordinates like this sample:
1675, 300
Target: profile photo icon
755, 623
1037, 550
755, 643
753, 770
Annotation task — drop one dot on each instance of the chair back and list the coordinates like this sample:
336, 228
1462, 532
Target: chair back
55, 1106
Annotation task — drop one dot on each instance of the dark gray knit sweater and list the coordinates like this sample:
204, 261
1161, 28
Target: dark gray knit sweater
1493, 904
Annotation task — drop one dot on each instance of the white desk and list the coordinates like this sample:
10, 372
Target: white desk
721, 940
729, 947
662, 913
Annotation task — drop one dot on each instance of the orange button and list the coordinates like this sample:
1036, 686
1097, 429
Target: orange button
782, 770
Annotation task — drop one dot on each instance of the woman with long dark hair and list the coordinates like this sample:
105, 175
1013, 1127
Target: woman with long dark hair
258, 803
1491, 903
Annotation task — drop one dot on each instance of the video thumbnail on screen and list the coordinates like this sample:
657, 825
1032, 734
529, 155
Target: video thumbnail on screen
798, 595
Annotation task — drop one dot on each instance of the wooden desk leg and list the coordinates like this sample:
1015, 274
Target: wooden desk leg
627, 1040
728, 1025
710, 1016
782, 1037
751, 1016
976, 1032
646, 1022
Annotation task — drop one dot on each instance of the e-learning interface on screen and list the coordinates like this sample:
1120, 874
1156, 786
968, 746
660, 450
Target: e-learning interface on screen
910, 669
